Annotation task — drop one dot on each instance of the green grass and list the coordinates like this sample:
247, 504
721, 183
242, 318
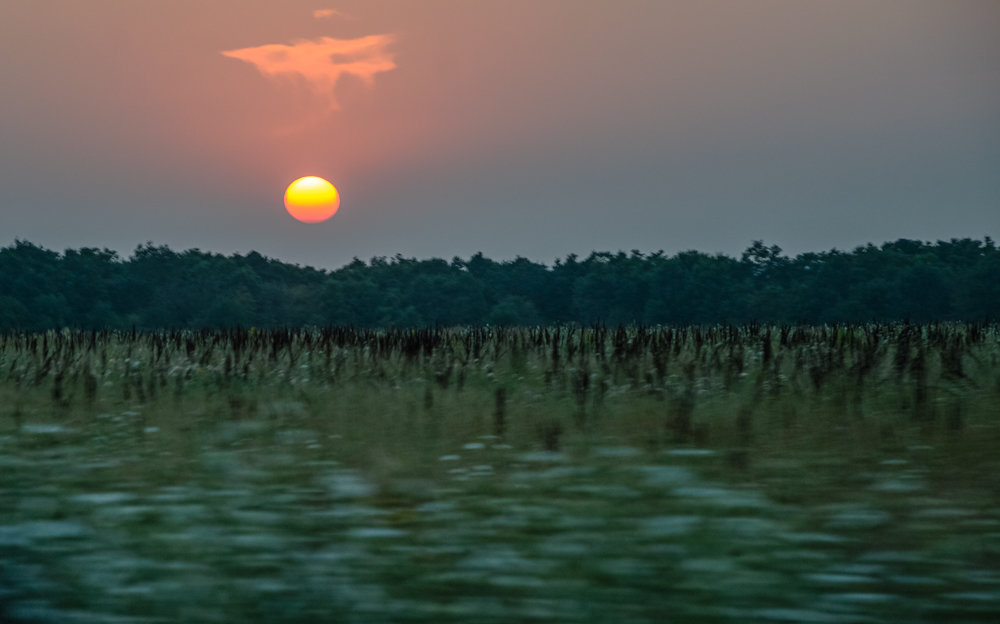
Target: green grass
551, 474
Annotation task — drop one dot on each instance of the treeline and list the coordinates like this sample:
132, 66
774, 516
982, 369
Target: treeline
160, 288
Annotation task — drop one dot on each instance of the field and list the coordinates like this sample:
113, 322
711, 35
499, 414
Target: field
695, 474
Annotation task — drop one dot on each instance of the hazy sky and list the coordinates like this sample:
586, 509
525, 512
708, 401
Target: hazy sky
534, 128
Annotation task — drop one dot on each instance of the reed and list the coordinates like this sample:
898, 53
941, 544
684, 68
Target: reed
707, 385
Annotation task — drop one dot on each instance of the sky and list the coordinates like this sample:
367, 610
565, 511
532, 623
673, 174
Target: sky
511, 127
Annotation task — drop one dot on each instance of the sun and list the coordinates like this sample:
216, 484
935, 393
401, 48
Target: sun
311, 199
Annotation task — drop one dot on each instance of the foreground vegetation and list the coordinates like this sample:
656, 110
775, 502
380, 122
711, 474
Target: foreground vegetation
835, 473
157, 287
689, 384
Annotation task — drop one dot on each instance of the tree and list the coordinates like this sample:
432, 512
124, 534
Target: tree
160, 288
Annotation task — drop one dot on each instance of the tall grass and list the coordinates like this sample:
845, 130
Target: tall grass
539, 386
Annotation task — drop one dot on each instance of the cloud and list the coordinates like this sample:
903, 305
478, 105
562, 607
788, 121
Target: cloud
322, 62
325, 13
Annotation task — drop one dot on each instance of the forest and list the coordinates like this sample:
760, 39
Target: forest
156, 287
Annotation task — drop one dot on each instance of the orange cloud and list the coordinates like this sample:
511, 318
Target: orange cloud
322, 62
324, 13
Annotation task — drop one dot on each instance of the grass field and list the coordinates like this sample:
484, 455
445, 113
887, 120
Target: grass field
699, 474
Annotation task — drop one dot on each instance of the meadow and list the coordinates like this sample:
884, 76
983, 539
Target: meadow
842, 473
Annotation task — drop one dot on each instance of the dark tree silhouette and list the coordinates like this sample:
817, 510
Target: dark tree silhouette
160, 288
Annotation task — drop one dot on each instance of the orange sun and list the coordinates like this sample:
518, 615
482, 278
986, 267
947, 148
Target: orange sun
311, 199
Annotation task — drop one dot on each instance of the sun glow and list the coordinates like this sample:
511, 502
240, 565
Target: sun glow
311, 199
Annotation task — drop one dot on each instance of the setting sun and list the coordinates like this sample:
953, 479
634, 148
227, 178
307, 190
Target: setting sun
311, 199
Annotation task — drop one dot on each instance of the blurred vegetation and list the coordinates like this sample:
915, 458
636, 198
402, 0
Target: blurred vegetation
160, 288
480, 474
691, 384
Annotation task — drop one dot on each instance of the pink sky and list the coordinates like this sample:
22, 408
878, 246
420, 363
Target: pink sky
511, 127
